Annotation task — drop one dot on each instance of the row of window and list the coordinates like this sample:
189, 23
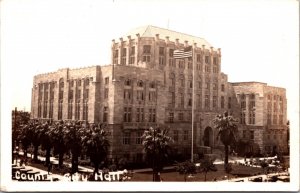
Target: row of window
251, 118
275, 137
147, 58
198, 104
147, 50
131, 137
275, 97
140, 114
277, 119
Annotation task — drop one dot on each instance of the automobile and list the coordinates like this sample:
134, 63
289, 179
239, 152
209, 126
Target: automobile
257, 179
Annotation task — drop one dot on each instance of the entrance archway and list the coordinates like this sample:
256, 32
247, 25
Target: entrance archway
208, 137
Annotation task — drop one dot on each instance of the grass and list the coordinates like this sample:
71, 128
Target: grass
173, 176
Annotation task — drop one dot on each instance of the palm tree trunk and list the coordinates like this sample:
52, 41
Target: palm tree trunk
35, 153
60, 159
226, 155
48, 152
74, 162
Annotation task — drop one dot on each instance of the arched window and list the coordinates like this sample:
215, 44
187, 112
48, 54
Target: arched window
127, 82
152, 85
140, 83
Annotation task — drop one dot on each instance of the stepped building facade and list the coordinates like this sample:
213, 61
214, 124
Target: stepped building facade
146, 86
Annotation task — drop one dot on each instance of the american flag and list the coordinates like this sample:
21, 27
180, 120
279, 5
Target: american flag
183, 53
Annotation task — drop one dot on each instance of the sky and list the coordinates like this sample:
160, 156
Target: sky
259, 39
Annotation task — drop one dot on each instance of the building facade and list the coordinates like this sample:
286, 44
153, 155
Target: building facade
145, 86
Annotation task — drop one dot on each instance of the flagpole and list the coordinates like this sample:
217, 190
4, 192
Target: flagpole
193, 102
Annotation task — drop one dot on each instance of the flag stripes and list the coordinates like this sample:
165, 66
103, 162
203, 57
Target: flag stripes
183, 53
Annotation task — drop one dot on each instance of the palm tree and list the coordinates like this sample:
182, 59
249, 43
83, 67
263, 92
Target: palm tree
156, 144
58, 137
227, 130
25, 138
46, 141
73, 135
96, 145
32, 134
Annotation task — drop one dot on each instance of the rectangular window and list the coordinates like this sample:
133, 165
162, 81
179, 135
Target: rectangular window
243, 104
199, 101
152, 115
152, 96
200, 85
207, 59
116, 53
51, 109
161, 60
146, 58
45, 109
70, 109
171, 62
181, 100
207, 85
126, 138
171, 53
190, 66
215, 86
199, 58
215, 60
127, 114
171, 117
146, 49
77, 110
140, 95
207, 101
214, 101
123, 59
106, 93
222, 102
180, 117
175, 135
274, 119
190, 100
215, 68
243, 118
132, 59
138, 139
172, 98
127, 94
105, 114
181, 63
229, 102
85, 111
222, 87
252, 135
60, 109
106, 80
132, 51
140, 115
185, 135
161, 51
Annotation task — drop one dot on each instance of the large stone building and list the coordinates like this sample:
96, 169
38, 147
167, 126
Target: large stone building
145, 86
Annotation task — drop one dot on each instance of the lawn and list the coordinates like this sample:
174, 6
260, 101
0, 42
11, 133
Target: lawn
173, 176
